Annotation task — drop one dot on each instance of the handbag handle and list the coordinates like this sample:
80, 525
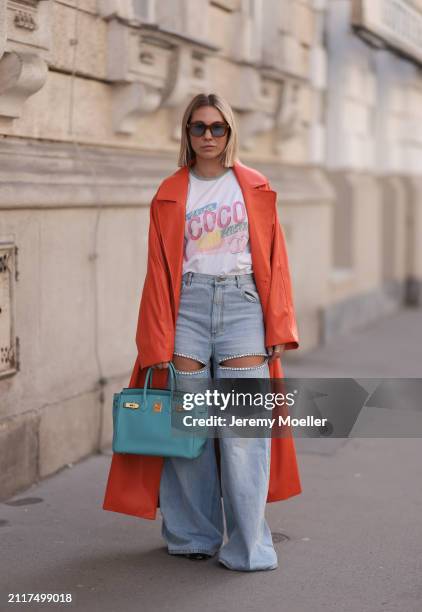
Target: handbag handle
172, 372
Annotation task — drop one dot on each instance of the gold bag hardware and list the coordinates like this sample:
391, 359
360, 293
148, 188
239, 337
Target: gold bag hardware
157, 407
133, 405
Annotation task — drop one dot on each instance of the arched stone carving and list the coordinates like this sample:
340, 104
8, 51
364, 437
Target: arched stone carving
256, 109
132, 101
153, 66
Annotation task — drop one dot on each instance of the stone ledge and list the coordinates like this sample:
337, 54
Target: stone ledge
42, 174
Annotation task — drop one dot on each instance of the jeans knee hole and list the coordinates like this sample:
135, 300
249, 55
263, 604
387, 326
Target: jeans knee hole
251, 367
204, 367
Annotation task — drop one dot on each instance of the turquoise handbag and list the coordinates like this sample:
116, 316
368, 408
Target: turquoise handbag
148, 421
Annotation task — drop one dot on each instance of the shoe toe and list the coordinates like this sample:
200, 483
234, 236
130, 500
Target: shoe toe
198, 556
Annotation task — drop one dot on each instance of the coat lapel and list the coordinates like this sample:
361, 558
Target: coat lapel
260, 205
171, 207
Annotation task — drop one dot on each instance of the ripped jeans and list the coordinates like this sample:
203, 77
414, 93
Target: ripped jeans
220, 317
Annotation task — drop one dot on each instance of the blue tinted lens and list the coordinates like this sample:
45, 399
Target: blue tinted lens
198, 129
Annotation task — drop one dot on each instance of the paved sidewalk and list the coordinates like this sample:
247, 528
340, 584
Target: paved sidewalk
351, 542
389, 348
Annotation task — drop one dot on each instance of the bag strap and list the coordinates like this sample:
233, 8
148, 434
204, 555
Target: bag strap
172, 373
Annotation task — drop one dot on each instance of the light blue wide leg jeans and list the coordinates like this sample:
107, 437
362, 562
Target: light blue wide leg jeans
220, 317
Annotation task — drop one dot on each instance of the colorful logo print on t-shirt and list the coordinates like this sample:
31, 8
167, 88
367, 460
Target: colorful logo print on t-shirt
218, 227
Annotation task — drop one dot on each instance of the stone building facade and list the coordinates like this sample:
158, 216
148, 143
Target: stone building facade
327, 96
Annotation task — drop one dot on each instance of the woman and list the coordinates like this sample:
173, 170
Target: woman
219, 301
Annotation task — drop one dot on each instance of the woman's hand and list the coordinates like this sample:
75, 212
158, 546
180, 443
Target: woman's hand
275, 352
161, 366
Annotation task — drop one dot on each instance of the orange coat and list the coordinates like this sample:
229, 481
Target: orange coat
134, 480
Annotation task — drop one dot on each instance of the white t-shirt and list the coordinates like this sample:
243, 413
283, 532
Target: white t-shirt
216, 226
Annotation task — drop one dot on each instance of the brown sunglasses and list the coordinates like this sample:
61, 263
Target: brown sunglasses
217, 129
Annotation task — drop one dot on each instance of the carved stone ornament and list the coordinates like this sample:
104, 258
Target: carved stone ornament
21, 75
287, 121
25, 41
132, 101
188, 76
256, 110
29, 26
151, 68
251, 124
25, 20
138, 67
180, 72
116, 8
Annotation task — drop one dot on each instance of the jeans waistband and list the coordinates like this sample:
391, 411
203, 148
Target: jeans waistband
218, 279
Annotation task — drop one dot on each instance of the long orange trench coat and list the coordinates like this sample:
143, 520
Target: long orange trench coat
134, 480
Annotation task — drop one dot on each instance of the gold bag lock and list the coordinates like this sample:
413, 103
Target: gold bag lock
133, 405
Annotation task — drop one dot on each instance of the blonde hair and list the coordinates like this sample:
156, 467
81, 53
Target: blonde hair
230, 154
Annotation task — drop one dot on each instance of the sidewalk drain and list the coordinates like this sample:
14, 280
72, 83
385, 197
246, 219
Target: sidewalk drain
24, 501
278, 537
